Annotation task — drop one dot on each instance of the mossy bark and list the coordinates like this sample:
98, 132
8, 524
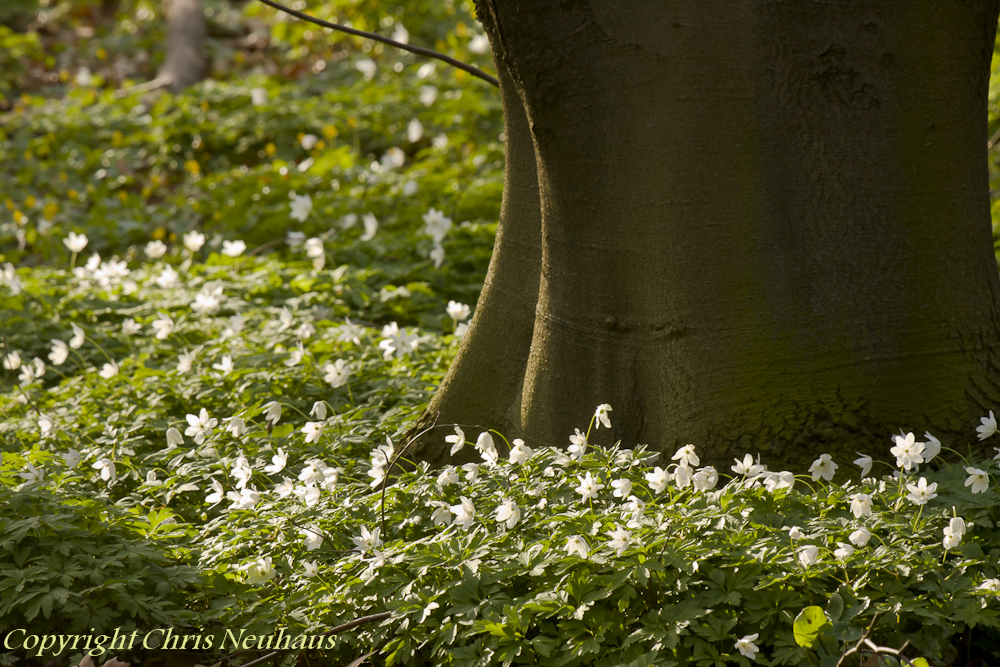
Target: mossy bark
758, 229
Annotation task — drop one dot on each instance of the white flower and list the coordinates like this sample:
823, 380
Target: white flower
479, 43
426, 70
313, 431
746, 646
12, 361
217, 493
337, 373
520, 452
314, 248
59, 353
302, 206
957, 525
259, 571
465, 513
75, 242
578, 445
620, 540
577, 545
184, 361
168, 278
174, 437
226, 365
397, 342
931, 448
200, 426
747, 467
795, 533
860, 537
310, 569
307, 494
622, 487
508, 513
428, 95
242, 471
861, 505
951, 538
658, 479
988, 428
309, 141
258, 97
588, 487
272, 412
278, 462
155, 249
438, 254
471, 472
864, 462
683, 476
437, 226
978, 479
109, 370
414, 131
109, 472
686, 456
461, 329
487, 448
921, 492
71, 458
367, 67
244, 499
163, 326
448, 476
371, 226
907, 451
991, 585
456, 441
349, 332
318, 410
778, 480
296, 355
233, 248
236, 426
78, 337
193, 241
808, 555
843, 551
311, 538
34, 475
458, 311
705, 479
601, 417
823, 467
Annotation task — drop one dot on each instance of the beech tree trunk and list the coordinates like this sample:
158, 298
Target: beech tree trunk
762, 227
186, 31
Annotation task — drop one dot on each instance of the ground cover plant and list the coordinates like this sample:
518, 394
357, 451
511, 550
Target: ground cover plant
220, 312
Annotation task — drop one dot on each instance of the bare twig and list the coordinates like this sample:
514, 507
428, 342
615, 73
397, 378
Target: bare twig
867, 645
388, 469
158, 82
427, 53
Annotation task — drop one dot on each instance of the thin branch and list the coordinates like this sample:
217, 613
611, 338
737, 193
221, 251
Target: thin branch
474, 71
388, 469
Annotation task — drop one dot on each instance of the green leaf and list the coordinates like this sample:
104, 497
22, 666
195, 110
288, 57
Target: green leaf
808, 626
920, 662
835, 607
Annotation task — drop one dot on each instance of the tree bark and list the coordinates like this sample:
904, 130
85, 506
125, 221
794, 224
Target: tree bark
186, 31
758, 229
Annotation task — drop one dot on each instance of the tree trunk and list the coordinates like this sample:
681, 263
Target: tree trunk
186, 31
759, 229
